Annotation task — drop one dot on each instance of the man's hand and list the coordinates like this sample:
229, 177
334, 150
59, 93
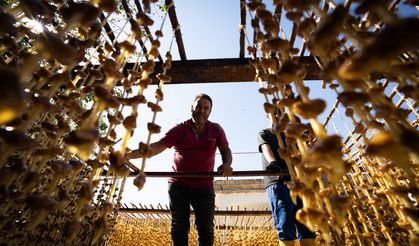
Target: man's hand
133, 154
225, 170
128, 154
145, 151
273, 166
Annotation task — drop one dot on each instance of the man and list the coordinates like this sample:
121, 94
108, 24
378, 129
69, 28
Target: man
195, 142
282, 207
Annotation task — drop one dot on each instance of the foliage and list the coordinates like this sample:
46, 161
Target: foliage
103, 123
86, 102
5, 2
103, 126
162, 6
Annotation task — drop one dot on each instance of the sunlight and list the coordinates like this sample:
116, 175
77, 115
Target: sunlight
35, 26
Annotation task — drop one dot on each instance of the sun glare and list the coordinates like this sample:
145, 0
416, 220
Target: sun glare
34, 25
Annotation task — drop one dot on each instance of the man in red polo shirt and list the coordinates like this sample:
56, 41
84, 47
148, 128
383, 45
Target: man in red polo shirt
195, 142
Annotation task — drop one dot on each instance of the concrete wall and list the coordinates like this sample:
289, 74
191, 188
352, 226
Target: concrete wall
244, 195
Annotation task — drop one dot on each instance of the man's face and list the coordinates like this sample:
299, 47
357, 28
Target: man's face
274, 119
201, 110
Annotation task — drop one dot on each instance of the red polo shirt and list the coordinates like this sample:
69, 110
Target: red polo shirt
192, 153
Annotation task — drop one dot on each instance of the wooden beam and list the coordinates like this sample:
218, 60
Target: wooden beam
221, 70
293, 34
108, 29
129, 15
147, 30
176, 27
126, 8
242, 27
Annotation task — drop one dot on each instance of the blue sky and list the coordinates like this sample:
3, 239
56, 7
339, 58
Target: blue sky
237, 107
210, 29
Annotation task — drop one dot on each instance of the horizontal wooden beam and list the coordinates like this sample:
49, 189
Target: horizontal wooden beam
221, 70
210, 71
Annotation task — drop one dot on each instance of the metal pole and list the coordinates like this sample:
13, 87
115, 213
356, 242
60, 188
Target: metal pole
216, 174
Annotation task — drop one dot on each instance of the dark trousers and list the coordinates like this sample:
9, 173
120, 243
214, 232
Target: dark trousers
202, 201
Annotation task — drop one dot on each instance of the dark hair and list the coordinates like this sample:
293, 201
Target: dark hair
205, 96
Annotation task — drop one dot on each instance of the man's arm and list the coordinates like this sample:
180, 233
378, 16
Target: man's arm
267, 153
270, 158
153, 149
156, 148
227, 158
